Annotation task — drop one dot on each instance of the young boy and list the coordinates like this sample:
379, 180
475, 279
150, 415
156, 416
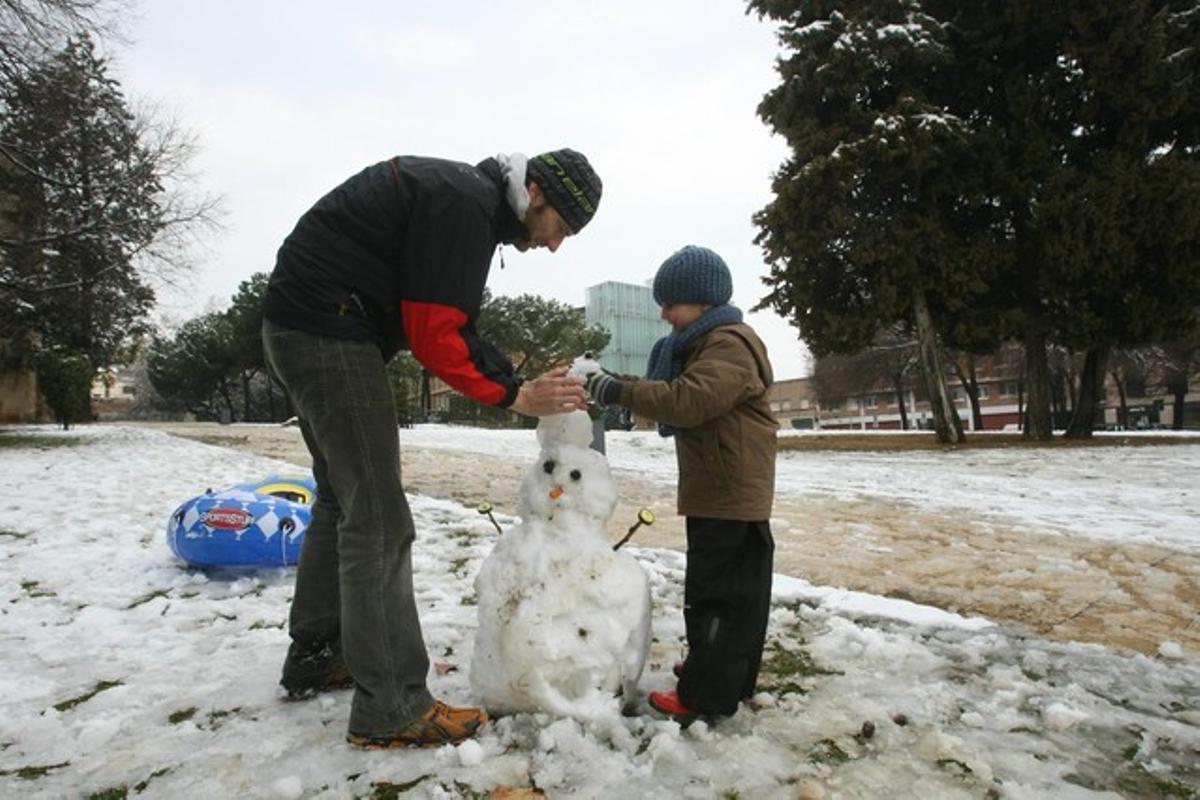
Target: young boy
706, 385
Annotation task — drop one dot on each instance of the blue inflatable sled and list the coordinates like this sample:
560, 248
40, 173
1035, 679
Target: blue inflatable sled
247, 525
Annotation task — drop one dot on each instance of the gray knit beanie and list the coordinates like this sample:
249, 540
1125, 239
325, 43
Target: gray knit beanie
570, 184
693, 275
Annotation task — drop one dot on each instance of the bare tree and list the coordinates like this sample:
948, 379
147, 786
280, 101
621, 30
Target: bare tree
30, 30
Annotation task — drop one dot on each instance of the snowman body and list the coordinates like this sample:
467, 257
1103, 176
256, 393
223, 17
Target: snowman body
564, 620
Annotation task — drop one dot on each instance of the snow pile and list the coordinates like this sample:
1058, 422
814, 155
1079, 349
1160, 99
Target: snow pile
564, 621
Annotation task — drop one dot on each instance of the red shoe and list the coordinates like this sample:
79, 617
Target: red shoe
668, 703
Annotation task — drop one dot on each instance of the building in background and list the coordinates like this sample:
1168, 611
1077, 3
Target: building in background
796, 404
629, 313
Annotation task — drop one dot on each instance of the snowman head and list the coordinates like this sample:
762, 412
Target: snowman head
568, 480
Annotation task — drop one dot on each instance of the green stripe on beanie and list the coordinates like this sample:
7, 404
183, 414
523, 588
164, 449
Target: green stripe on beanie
570, 184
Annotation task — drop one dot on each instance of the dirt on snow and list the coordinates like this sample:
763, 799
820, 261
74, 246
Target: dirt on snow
1063, 587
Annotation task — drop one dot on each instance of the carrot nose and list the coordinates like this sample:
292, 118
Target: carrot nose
556, 492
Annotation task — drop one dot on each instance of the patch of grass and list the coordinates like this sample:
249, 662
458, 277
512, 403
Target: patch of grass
140, 786
31, 589
955, 766
115, 793
465, 538
383, 790
14, 534
183, 715
146, 598
470, 600
16, 441
260, 625
1135, 781
102, 686
458, 566
827, 751
33, 773
217, 718
467, 793
782, 669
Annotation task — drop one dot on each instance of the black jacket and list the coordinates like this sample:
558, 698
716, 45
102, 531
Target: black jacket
399, 254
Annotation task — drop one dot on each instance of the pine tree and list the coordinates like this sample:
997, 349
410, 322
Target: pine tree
87, 194
870, 225
1011, 163
93, 214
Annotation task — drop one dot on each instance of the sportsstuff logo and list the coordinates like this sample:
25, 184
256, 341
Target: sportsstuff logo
227, 519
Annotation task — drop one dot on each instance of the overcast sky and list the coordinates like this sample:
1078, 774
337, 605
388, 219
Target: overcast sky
290, 98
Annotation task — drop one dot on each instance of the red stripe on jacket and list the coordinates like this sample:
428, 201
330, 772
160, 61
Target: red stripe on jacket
435, 337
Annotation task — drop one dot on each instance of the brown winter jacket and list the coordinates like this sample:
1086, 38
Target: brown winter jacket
726, 442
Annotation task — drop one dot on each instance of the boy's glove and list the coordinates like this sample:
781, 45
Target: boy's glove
603, 387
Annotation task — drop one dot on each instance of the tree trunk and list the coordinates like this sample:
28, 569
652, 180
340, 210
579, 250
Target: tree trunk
898, 382
426, 399
945, 415
245, 396
1037, 377
1068, 382
1021, 403
970, 383
1123, 412
1091, 393
1180, 394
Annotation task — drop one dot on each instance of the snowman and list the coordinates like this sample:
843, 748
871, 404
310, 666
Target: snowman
564, 619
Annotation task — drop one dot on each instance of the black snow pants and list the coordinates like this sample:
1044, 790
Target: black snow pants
726, 601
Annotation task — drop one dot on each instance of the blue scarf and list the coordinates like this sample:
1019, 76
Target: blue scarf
666, 357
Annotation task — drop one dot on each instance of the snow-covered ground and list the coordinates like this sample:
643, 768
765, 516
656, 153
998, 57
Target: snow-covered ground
120, 667
1130, 494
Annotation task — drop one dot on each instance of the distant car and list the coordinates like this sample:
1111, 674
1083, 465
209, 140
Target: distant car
258, 524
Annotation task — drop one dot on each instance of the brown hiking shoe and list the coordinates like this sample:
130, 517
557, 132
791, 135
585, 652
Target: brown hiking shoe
441, 724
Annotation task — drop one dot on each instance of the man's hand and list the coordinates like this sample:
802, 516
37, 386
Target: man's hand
556, 392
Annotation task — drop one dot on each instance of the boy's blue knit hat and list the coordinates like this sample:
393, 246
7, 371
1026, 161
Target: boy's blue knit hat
693, 275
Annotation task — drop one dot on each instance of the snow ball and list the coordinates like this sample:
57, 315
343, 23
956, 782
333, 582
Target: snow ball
1059, 717
810, 790
470, 753
288, 788
584, 366
763, 700
1170, 650
666, 745
700, 730
972, 718
573, 429
326, 702
557, 734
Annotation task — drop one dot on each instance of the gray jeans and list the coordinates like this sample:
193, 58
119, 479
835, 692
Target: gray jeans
355, 581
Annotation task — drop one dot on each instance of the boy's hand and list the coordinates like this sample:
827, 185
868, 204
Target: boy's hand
603, 387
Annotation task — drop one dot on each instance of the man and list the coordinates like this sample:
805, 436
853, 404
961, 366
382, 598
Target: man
396, 257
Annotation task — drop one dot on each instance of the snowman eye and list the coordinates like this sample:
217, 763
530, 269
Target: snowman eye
575, 474
548, 467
